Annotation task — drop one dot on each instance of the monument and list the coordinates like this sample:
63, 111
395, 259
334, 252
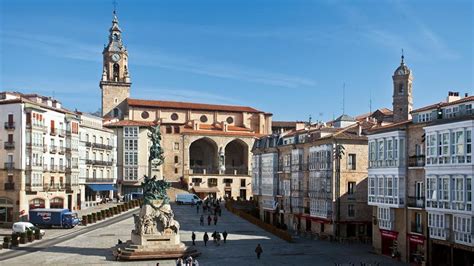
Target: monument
156, 232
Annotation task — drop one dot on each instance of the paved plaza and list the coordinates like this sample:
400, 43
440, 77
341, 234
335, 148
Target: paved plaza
83, 246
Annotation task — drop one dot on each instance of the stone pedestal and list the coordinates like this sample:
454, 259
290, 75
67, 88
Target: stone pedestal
156, 236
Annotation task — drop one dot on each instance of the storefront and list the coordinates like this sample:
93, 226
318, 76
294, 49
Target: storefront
99, 192
6, 210
205, 192
416, 248
389, 243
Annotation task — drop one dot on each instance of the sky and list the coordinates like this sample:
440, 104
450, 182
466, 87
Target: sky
291, 58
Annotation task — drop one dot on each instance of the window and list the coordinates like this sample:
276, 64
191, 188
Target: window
174, 116
242, 183
459, 188
116, 112
350, 210
169, 130
176, 129
176, 159
390, 186
380, 156
175, 170
443, 188
229, 120
380, 191
176, 146
351, 188
351, 162
371, 186
145, 115
400, 89
212, 182
203, 119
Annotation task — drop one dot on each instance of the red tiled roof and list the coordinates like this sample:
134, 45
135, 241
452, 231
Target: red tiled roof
284, 123
220, 132
193, 106
124, 123
392, 125
443, 104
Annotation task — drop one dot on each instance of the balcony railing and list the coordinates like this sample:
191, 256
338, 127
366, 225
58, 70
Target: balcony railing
53, 187
416, 202
61, 150
45, 148
53, 168
204, 170
416, 228
239, 170
9, 125
102, 146
9, 145
88, 144
61, 132
61, 168
37, 126
9, 186
99, 180
53, 132
99, 162
416, 161
53, 149
9, 165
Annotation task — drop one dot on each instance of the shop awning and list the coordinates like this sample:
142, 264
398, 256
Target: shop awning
101, 187
205, 189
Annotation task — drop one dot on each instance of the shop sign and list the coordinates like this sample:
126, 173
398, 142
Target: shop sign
416, 239
389, 234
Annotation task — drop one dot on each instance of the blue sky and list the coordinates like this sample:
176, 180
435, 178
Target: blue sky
290, 58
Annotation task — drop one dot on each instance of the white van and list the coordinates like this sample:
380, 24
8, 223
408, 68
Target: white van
21, 227
187, 199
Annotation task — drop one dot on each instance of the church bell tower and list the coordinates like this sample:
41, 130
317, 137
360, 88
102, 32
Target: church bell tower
115, 82
402, 93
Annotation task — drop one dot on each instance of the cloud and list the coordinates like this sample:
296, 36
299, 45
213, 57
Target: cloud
74, 49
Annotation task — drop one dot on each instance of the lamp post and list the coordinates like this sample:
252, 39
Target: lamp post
338, 152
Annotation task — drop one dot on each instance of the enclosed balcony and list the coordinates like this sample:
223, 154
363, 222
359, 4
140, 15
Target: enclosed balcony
416, 202
9, 125
416, 161
9, 145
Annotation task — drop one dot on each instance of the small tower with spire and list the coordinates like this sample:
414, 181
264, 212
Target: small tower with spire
402, 92
115, 81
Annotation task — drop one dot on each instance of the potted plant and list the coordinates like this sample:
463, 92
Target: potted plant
23, 238
38, 234
94, 217
14, 240
89, 218
30, 236
99, 216
84, 219
6, 242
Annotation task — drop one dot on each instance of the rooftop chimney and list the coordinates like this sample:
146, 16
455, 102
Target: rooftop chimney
453, 96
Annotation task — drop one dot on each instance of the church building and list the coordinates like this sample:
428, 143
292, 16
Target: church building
207, 147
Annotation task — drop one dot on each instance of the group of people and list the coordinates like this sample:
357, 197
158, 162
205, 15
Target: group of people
189, 261
216, 236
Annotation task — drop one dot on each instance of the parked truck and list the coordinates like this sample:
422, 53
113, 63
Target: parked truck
53, 217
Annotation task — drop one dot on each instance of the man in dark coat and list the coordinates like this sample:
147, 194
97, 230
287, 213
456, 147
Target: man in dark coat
259, 251
193, 237
209, 219
205, 238
224, 235
215, 219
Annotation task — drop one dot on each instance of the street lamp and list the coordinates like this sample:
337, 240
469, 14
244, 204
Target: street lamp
338, 153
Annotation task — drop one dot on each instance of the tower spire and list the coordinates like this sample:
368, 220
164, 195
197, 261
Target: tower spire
403, 58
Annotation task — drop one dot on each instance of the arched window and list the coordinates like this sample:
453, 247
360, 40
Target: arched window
56, 203
176, 160
400, 89
36, 203
116, 72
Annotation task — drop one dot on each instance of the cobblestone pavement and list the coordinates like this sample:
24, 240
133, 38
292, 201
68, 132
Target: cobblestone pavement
94, 247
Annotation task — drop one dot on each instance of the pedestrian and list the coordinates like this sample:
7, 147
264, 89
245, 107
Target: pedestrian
204, 208
209, 219
215, 219
179, 262
218, 238
193, 237
205, 238
195, 262
197, 208
259, 251
201, 220
214, 237
220, 211
224, 235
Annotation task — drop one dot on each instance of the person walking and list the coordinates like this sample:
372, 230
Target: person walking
215, 219
224, 234
201, 220
205, 238
179, 262
193, 237
209, 219
259, 251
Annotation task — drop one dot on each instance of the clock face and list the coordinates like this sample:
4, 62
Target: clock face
115, 57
